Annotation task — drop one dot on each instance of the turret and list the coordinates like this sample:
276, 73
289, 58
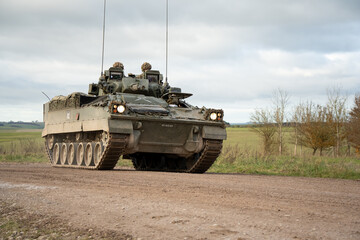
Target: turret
149, 83
154, 77
109, 82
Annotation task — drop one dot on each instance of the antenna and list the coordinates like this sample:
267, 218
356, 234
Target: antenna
103, 41
167, 40
45, 95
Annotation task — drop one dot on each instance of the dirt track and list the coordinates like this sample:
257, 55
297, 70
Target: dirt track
153, 205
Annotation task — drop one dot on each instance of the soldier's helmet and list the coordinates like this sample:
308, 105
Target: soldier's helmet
145, 66
118, 65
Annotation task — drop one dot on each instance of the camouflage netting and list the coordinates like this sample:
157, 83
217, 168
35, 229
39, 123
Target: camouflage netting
62, 102
145, 66
118, 65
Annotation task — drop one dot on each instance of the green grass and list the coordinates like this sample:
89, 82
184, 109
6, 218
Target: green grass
35, 158
21, 147
21, 125
124, 163
11, 135
242, 153
346, 168
241, 136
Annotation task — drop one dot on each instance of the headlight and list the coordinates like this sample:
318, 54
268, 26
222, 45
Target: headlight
213, 116
116, 107
121, 109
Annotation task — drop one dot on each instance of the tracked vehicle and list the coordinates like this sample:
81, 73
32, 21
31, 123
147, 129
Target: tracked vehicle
137, 117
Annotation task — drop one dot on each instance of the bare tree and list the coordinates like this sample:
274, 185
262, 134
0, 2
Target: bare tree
296, 119
280, 102
265, 127
337, 107
354, 125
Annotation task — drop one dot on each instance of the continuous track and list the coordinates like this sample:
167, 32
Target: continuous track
103, 155
93, 155
198, 163
211, 151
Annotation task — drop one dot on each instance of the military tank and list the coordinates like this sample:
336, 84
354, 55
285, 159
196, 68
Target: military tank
137, 117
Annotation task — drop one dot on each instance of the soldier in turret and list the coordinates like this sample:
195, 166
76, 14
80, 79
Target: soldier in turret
118, 65
144, 68
117, 71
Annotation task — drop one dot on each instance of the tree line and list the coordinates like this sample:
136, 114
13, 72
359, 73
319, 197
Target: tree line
315, 126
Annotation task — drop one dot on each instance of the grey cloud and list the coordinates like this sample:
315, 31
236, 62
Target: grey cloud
230, 54
49, 27
245, 13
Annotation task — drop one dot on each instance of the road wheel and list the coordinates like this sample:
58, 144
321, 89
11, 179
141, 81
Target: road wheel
71, 154
97, 153
89, 153
63, 153
56, 154
80, 154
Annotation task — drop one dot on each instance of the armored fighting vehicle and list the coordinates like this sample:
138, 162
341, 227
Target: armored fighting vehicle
137, 117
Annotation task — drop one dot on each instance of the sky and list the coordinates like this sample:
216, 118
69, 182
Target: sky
231, 54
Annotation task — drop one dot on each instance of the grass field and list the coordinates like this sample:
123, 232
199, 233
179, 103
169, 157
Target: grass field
21, 126
11, 135
242, 153
21, 146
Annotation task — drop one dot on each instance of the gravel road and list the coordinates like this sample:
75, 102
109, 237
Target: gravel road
156, 205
